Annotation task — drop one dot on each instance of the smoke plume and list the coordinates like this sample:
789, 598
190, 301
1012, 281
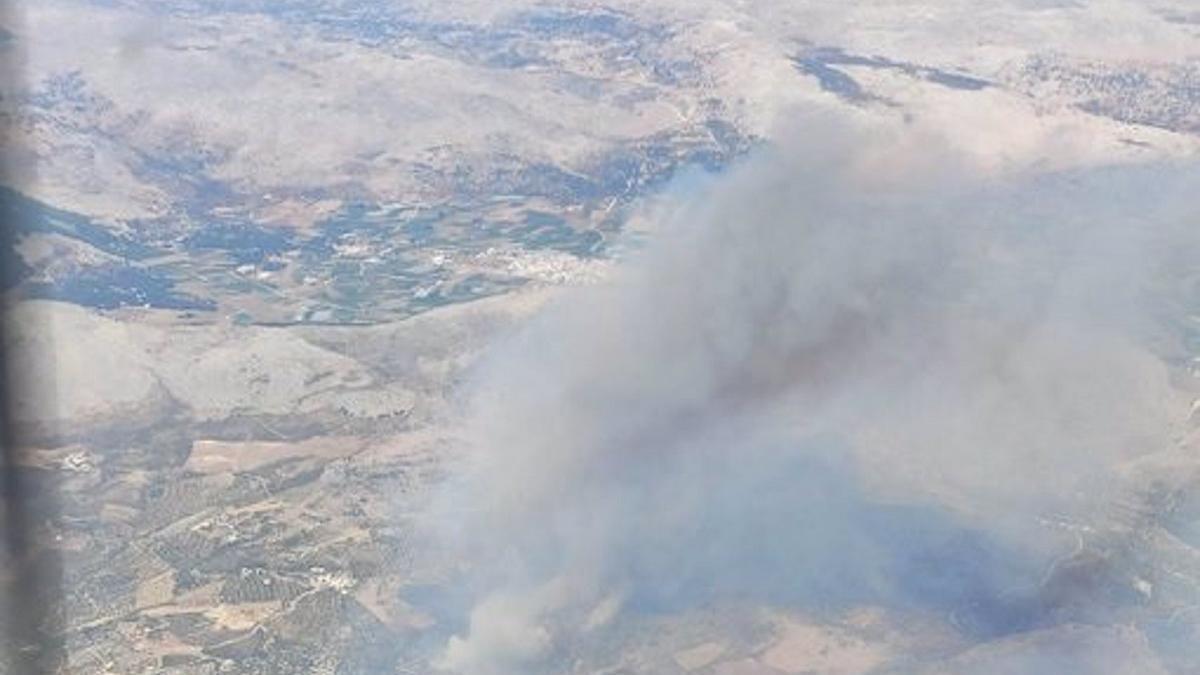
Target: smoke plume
846, 373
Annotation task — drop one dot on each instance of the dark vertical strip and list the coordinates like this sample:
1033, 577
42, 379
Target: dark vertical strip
30, 566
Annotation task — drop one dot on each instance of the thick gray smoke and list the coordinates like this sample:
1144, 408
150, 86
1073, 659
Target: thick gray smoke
844, 374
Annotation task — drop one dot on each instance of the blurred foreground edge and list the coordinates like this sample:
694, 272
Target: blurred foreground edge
31, 628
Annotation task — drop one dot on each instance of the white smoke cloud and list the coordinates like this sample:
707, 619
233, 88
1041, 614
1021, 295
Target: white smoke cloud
845, 373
